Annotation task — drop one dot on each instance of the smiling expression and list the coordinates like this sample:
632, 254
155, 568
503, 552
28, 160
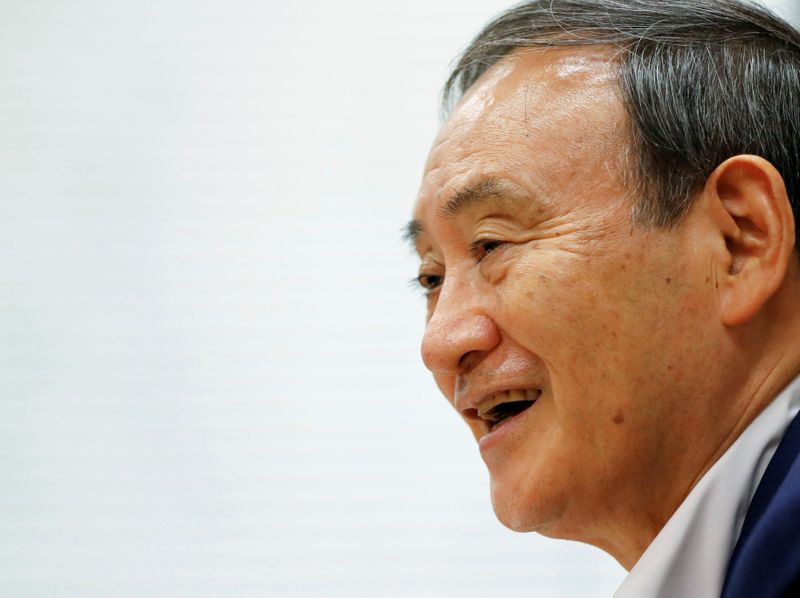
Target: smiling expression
562, 333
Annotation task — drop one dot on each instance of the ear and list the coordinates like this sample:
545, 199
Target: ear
751, 209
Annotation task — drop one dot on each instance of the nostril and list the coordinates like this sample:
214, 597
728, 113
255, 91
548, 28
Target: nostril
469, 360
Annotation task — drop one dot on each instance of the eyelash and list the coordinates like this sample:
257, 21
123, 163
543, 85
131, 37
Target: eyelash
483, 247
479, 250
427, 282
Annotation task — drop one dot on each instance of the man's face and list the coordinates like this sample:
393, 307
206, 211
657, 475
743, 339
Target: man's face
558, 329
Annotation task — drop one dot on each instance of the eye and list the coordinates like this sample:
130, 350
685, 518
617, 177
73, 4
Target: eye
483, 247
429, 282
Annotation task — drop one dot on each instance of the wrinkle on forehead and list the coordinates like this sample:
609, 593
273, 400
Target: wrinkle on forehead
578, 75
570, 65
538, 108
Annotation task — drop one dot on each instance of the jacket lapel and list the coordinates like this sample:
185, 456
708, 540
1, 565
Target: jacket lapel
786, 456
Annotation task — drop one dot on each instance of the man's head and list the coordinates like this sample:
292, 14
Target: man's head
605, 253
700, 81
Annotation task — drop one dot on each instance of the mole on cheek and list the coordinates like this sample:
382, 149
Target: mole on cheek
619, 417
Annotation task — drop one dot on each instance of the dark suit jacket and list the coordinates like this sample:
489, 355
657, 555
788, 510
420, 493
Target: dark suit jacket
766, 560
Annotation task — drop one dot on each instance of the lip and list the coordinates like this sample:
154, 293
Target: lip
469, 402
505, 430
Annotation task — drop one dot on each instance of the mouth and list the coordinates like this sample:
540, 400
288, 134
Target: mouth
502, 406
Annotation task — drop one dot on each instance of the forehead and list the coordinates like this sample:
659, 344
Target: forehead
538, 118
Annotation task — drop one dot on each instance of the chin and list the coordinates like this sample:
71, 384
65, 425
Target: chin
515, 524
522, 511
515, 510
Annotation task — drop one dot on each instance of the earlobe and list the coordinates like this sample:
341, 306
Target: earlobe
753, 213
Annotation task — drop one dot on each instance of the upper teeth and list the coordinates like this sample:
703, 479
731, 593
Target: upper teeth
508, 396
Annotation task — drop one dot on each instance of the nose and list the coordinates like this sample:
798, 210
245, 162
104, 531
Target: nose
458, 332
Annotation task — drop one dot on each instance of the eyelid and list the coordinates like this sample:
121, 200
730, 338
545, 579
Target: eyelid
431, 266
426, 282
480, 248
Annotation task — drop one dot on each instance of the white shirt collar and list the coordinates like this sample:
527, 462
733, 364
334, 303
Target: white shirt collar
690, 554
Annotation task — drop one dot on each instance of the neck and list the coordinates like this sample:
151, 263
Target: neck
761, 360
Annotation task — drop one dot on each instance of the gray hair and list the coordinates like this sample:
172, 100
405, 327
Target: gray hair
701, 81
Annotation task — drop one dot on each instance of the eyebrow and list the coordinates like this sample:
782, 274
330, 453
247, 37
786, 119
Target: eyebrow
469, 196
463, 199
411, 231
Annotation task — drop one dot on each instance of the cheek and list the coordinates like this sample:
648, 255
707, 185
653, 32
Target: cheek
597, 323
495, 270
549, 298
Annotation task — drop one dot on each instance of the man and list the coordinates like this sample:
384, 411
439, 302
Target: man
606, 229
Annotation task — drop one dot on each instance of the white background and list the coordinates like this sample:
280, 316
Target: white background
209, 371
